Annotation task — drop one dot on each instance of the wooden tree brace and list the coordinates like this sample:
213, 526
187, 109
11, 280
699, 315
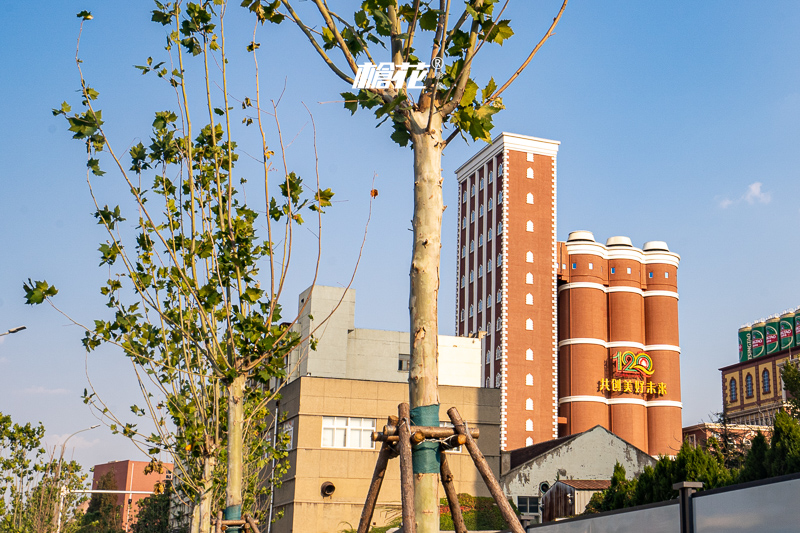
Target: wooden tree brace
427, 431
486, 473
452, 496
406, 469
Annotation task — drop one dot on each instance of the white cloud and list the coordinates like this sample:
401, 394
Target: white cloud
76, 442
42, 390
753, 195
725, 203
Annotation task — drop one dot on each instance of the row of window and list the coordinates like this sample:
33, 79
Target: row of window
472, 191
614, 269
748, 386
481, 182
498, 354
528, 199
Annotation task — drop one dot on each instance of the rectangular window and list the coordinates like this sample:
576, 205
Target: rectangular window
347, 432
528, 504
613, 270
287, 429
574, 266
403, 362
591, 266
649, 274
629, 270
666, 274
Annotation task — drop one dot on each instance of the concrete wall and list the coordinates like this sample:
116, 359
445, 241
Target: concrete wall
343, 351
308, 399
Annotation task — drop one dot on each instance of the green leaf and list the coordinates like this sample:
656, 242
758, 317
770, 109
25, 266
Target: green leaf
470, 91
400, 135
429, 20
219, 111
253, 46
94, 165
65, 108
37, 291
350, 102
489, 90
500, 32
85, 15
328, 37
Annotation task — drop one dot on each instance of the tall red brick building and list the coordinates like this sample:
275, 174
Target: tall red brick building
556, 314
507, 279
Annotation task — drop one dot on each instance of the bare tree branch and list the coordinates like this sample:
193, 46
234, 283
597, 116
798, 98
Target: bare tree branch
315, 44
339, 39
547, 35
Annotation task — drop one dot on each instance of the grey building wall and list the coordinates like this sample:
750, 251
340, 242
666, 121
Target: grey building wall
589, 455
344, 351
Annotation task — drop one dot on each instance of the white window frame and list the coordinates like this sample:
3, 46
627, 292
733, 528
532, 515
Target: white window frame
347, 432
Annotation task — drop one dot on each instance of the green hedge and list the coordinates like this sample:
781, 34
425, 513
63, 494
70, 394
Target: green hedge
479, 514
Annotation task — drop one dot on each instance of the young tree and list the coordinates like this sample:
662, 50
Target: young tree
205, 334
32, 486
790, 376
104, 515
449, 98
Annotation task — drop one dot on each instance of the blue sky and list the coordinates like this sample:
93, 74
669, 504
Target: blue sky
679, 121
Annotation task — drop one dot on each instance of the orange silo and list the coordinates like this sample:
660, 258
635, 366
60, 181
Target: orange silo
583, 319
663, 345
626, 337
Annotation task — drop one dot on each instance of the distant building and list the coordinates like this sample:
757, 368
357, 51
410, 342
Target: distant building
740, 435
528, 473
344, 351
130, 476
619, 353
343, 391
752, 389
559, 318
569, 497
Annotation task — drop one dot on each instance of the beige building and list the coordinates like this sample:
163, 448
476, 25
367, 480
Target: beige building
344, 390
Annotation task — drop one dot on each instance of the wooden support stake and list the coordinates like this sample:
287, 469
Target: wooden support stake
452, 496
218, 525
428, 432
251, 523
381, 437
406, 469
486, 473
375, 487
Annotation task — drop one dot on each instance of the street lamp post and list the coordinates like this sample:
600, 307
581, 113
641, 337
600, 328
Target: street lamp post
13, 330
57, 517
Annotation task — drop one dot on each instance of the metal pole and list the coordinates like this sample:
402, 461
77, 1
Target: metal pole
60, 461
685, 490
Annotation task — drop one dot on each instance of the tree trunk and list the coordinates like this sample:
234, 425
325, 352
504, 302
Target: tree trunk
206, 497
233, 492
423, 306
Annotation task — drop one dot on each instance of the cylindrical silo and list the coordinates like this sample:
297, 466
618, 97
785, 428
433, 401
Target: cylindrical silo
582, 335
758, 339
771, 335
786, 331
796, 328
626, 279
663, 345
745, 347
